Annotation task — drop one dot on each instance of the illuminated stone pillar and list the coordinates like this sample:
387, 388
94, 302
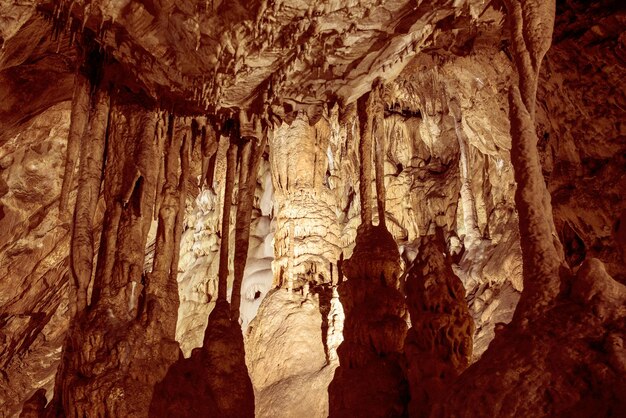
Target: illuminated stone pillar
306, 244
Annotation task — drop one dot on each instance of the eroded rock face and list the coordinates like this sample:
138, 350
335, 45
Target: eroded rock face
580, 98
567, 363
33, 258
586, 304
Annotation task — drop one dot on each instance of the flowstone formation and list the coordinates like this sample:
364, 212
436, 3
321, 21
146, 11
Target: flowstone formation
306, 244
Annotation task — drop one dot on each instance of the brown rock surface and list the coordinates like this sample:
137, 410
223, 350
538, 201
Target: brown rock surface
405, 102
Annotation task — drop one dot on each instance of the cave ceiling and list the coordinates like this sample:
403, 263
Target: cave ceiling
264, 56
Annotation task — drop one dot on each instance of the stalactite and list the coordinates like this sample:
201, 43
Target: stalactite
231, 165
378, 128
210, 175
131, 180
78, 122
251, 156
161, 133
531, 24
90, 177
180, 213
130, 189
470, 217
365, 153
242, 227
159, 285
209, 151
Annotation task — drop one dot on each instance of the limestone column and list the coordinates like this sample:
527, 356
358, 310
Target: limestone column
307, 231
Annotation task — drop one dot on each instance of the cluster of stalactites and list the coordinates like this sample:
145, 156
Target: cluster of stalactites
134, 162
142, 178
247, 141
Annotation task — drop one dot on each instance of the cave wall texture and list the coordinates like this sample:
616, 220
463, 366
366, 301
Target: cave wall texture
287, 208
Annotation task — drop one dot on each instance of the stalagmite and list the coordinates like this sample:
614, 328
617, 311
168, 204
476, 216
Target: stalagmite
78, 123
219, 364
90, 177
369, 380
438, 346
